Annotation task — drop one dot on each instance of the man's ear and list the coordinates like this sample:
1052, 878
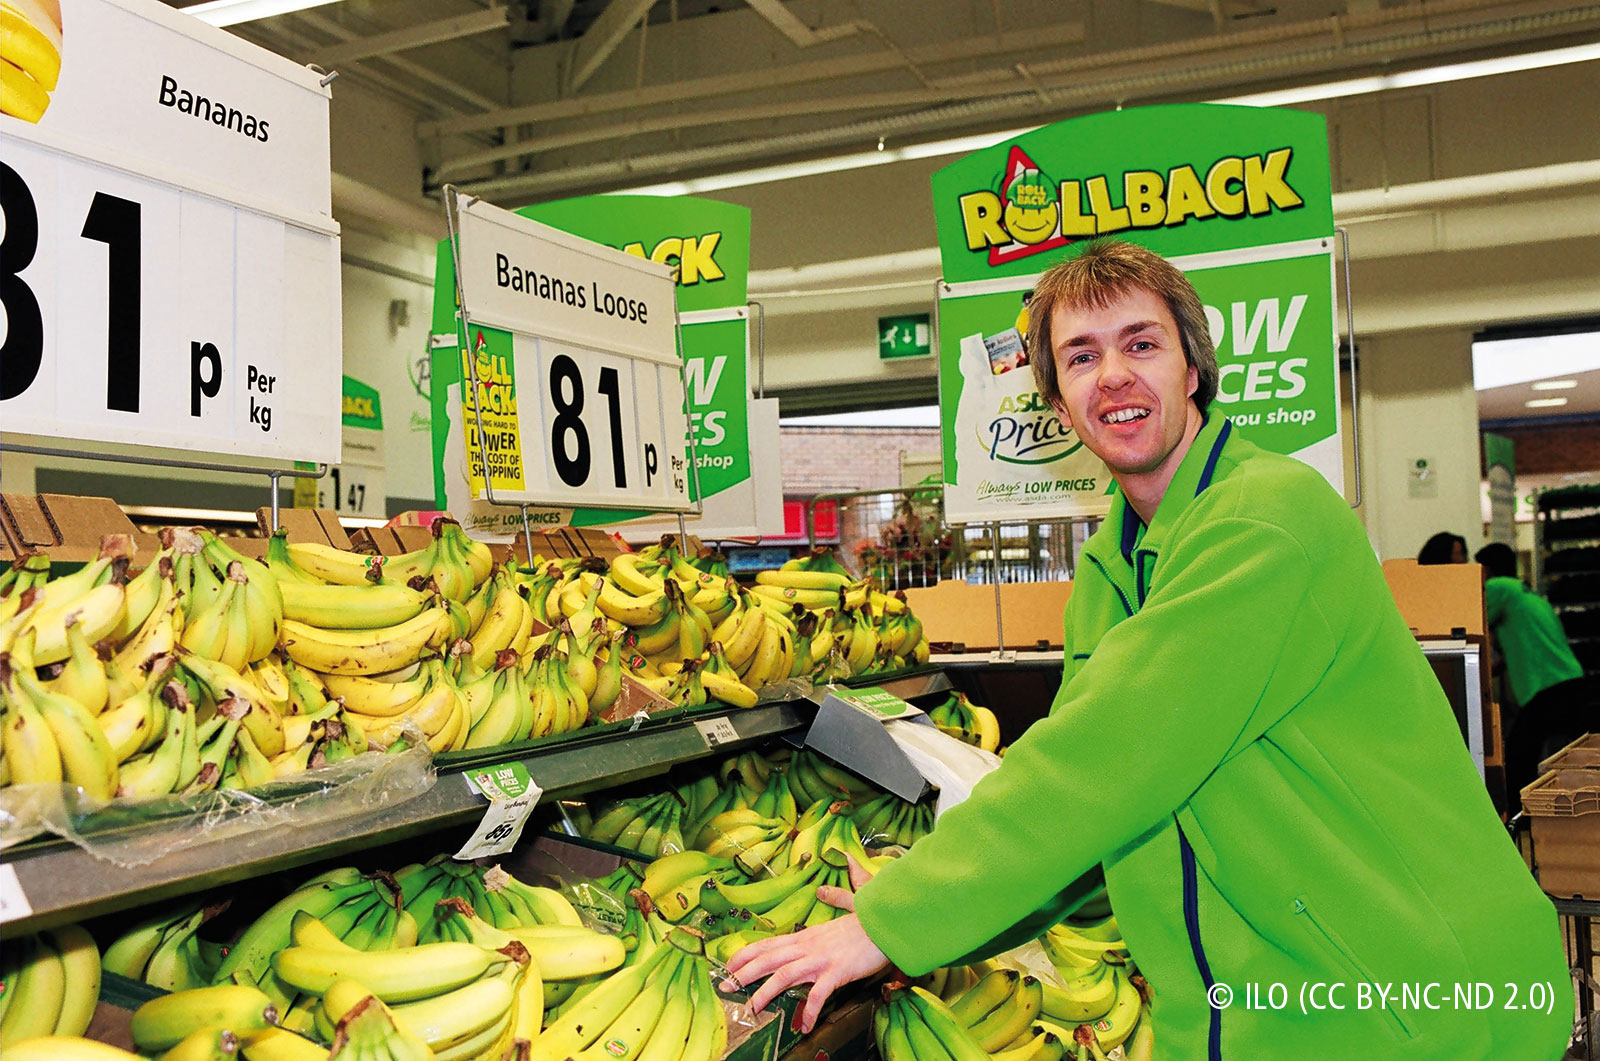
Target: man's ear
1194, 379
1059, 407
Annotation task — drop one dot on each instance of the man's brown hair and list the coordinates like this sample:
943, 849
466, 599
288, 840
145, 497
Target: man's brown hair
1104, 271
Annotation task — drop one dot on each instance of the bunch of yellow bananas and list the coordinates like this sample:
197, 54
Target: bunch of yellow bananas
52, 983
168, 682
691, 634
967, 722
30, 56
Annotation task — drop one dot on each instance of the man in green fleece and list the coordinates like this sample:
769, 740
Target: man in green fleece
1552, 704
1247, 740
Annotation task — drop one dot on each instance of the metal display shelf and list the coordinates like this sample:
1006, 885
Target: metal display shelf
1010, 657
62, 882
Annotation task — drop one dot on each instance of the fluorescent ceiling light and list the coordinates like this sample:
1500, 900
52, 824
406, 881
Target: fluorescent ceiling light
1433, 75
1555, 384
1544, 403
1513, 362
231, 12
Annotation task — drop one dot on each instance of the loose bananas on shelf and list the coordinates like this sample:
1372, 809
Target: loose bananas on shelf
692, 635
167, 683
51, 982
966, 721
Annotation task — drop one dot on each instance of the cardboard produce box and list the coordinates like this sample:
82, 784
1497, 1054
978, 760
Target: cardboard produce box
66, 527
1438, 600
957, 613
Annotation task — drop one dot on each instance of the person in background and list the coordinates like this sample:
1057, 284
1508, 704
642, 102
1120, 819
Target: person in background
1443, 548
1552, 698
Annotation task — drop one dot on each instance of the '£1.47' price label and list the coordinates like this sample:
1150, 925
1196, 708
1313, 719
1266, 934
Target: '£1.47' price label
138, 312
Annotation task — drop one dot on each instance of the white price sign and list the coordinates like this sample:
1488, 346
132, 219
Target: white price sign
599, 417
169, 273
717, 731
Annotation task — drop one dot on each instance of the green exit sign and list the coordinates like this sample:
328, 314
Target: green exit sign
903, 336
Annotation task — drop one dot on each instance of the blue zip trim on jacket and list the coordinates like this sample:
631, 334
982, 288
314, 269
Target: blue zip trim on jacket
1131, 525
1211, 458
1191, 883
1191, 921
1081, 655
1121, 595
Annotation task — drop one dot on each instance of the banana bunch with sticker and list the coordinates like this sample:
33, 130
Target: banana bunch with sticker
455, 564
470, 996
662, 1006
967, 722
495, 895
51, 984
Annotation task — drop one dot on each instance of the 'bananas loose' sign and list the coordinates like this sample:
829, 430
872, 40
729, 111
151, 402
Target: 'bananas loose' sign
1238, 197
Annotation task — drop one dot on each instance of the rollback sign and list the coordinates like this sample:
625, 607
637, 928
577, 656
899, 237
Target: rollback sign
1239, 198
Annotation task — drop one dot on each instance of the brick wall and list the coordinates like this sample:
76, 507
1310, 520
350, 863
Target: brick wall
831, 459
1555, 449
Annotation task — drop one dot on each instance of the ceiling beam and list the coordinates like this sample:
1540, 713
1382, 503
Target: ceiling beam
446, 29
602, 38
1061, 33
404, 66
800, 34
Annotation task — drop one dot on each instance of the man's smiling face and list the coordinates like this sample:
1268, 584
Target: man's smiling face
1125, 384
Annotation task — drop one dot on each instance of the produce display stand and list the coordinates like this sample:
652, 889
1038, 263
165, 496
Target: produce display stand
61, 882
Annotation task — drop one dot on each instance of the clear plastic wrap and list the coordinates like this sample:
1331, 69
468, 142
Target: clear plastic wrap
130, 833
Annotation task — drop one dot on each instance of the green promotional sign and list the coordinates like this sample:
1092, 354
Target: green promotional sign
874, 700
1500, 469
361, 406
1238, 197
709, 242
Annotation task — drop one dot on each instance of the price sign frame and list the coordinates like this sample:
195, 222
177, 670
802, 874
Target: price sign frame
569, 343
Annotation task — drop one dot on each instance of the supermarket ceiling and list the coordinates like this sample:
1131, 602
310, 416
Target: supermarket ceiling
529, 100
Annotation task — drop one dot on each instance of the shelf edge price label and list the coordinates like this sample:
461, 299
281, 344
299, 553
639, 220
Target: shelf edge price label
717, 731
573, 389
512, 795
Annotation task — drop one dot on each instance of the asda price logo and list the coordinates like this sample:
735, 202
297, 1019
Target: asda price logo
1024, 430
1029, 213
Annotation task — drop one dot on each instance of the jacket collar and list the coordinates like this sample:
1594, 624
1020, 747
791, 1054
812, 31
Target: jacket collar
1123, 533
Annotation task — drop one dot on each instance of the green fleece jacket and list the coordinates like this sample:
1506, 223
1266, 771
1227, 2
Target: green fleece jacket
1249, 741
1530, 637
